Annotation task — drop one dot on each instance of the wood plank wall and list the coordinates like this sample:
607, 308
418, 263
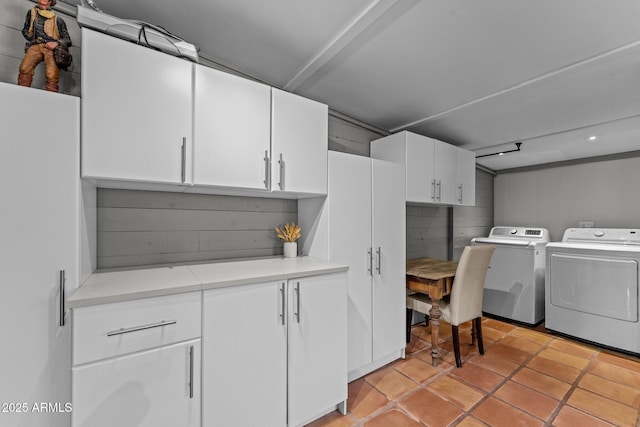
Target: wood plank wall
150, 227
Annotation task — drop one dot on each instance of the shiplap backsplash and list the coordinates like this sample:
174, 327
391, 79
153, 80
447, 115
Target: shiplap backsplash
147, 227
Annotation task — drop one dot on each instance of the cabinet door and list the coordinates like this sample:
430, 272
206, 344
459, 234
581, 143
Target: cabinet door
245, 356
39, 182
299, 144
466, 172
232, 130
317, 345
158, 387
350, 244
389, 231
445, 172
420, 181
136, 111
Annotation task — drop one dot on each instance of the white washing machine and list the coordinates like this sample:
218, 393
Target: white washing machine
514, 287
592, 286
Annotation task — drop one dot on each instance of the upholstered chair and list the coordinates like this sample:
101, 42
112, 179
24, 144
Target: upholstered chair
466, 296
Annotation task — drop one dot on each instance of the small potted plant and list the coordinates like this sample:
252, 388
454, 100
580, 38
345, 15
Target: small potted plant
289, 233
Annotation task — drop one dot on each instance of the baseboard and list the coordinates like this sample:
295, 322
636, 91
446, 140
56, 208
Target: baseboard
364, 370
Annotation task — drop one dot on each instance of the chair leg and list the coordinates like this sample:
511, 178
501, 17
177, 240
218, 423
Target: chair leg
409, 319
456, 345
478, 322
473, 332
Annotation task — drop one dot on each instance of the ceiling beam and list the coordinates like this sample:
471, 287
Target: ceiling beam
364, 20
520, 85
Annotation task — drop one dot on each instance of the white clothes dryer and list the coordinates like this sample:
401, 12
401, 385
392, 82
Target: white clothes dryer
514, 287
592, 286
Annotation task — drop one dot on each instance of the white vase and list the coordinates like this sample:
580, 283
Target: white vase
290, 249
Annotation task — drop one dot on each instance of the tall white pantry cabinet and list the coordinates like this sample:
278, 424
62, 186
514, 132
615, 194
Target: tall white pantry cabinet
39, 254
362, 224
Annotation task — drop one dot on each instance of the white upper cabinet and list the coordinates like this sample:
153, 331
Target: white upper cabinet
445, 158
299, 144
232, 131
136, 112
436, 172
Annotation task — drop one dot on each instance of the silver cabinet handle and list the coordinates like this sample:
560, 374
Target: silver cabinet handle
267, 170
297, 313
379, 260
439, 186
370, 263
433, 189
63, 279
460, 188
281, 163
142, 328
191, 372
282, 296
183, 160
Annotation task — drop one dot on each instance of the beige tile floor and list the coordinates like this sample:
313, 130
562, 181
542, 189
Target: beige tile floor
525, 378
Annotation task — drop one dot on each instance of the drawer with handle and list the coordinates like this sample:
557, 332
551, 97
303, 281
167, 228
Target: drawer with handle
108, 330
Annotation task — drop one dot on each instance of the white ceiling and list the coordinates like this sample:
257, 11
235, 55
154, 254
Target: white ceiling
480, 74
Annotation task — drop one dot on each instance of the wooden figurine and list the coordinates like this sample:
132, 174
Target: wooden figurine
44, 31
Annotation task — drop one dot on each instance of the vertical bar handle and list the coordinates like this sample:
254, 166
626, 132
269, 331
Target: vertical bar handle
370, 262
439, 186
191, 372
433, 189
379, 260
183, 160
63, 279
297, 313
281, 163
282, 298
460, 188
267, 170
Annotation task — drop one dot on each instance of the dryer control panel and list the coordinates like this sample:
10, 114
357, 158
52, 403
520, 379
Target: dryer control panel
617, 236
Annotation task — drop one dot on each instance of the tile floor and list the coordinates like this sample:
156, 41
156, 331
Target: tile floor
525, 378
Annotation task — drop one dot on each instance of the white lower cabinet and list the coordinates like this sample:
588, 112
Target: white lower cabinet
274, 353
159, 387
137, 363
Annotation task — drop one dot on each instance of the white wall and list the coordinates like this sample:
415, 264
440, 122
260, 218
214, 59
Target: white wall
606, 192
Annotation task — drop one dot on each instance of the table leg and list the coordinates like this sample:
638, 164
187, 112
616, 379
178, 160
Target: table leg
434, 321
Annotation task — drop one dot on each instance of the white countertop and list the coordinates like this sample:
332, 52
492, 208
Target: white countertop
115, 286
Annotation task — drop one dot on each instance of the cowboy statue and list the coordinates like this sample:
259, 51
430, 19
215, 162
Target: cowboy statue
44, 31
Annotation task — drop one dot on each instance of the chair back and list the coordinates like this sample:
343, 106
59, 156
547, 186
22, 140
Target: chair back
468, 284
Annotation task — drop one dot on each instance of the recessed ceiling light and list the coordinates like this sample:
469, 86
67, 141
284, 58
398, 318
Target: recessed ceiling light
592, 137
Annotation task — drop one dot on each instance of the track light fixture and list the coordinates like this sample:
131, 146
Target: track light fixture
500, 153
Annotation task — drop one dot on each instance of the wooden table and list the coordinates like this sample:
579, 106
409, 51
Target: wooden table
433, 277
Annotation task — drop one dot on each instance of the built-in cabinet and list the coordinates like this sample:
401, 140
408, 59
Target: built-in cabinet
136, 112
232, 131
299, 144
366, 230
436, 172
153, 118
39, 253
138, 363
281, 346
